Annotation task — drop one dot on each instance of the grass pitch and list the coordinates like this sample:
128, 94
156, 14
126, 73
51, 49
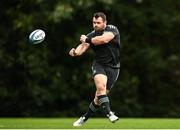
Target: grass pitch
93, 123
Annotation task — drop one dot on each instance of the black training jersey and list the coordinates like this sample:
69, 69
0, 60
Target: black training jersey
107, 54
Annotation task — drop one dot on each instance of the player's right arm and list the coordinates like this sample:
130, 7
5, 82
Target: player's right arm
79, 50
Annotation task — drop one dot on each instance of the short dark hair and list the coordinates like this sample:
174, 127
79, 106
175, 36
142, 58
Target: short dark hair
100, 14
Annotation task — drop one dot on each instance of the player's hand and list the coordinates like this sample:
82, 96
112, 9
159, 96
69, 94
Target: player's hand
72, 52
83, 38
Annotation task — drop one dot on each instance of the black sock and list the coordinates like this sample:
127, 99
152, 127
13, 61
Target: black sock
91, 110
104, 102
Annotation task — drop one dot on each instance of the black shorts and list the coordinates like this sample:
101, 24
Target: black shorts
111, 73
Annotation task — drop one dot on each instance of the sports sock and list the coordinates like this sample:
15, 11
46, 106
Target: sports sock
91, 110
104, 102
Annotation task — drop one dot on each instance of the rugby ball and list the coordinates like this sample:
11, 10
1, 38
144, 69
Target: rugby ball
37, 36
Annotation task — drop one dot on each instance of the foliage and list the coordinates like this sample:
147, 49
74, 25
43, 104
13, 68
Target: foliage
43, 80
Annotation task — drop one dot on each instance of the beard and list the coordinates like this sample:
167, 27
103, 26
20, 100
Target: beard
98, 29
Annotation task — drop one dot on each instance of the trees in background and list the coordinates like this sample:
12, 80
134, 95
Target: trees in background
43, 80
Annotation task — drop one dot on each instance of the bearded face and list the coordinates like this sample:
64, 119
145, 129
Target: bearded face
98, 24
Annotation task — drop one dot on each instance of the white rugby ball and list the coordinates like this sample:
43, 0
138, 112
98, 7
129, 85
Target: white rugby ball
37, 36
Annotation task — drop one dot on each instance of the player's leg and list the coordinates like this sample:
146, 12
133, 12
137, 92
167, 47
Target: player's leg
93, 107
100, 82
91, 110
112, 75
112, 117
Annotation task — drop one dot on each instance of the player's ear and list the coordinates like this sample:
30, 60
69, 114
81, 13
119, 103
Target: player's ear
105, 22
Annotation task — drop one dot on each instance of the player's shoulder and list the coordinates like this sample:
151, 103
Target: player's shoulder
110, 26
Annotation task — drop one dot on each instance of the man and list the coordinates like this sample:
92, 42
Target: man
105, 41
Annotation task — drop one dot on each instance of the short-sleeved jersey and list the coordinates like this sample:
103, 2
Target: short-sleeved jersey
107, 54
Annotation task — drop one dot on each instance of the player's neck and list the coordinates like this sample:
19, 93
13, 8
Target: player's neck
99, 31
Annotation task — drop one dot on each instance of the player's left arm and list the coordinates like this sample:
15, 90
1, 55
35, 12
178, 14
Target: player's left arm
105, 38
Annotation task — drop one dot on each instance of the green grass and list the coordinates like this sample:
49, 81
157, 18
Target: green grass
93, 123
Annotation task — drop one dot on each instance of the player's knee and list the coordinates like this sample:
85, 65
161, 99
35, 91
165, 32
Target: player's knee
101, 88
96, 101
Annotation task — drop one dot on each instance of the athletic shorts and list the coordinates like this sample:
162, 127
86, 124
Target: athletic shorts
111, 73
